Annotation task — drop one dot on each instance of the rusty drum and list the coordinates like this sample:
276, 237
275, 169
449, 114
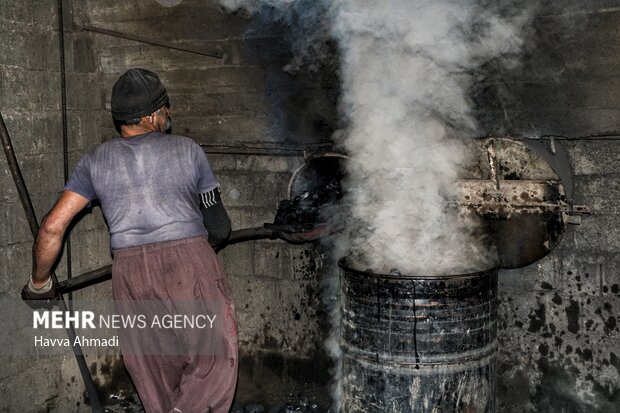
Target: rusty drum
418, 344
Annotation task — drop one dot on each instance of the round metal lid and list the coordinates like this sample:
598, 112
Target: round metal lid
519, 198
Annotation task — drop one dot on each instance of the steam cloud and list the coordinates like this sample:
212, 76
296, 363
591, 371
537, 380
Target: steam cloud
406, 68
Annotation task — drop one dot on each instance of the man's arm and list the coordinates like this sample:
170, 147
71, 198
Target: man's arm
215, 217
48, 242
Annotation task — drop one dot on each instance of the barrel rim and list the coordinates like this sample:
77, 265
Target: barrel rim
344, 264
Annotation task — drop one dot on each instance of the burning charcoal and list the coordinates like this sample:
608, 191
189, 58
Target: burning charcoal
254, 408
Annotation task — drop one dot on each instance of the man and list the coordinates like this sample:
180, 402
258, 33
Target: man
163, 208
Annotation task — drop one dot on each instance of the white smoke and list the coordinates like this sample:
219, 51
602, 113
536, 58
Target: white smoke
406, 67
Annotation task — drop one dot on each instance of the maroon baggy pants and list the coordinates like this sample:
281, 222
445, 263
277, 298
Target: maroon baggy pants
171, 272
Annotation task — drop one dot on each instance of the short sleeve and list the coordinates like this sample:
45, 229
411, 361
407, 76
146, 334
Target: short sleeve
206, 178
80, 180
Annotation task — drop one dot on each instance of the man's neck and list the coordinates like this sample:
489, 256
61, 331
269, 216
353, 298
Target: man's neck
129, 131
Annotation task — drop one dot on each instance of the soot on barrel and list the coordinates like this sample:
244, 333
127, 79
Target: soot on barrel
417, 344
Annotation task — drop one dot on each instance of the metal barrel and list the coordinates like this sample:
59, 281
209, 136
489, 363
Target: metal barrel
418, 344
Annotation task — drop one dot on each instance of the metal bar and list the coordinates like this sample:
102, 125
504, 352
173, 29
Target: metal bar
105, 273
247, 234
18, 178
112, 33
292, 151
292, 154
65, 134
86, 279
34, 228
493, 163
564, 138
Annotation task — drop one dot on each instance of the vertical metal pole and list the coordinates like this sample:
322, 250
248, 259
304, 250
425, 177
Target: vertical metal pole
34, 228
65, 135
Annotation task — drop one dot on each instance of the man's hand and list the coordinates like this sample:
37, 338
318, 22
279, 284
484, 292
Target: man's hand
40, 297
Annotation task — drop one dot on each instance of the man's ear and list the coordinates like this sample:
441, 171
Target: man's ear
148, 119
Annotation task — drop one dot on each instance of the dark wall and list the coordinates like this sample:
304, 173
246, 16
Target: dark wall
568, 81
254, 119
559, 343
558, 336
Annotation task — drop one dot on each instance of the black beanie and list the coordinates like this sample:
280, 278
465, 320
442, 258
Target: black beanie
137, 93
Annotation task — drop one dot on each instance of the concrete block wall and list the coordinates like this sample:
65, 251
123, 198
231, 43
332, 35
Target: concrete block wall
30, 102
236, 105
558, 335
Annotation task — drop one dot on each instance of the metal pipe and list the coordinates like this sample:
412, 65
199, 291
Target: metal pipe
65, 134
18, 178
287, 151
34, 228
112, 33
105, 273
86, 279
247, 234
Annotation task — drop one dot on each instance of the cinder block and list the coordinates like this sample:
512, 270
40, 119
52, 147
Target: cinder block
29, 90
248, 217
520, 281
594, 157
29, 47
34, 133
276, 164
597, 234
600, 193
259, 189
222, 162
238, 260
44, 14
17, 267
43, 174
6, 183
82, 54
558, 121
83, 128
84, 91
203, 102
582, 274
297, 318
213, 23
117, 59
256, 217
306, 262
254, 301
223, 130
272, 259
276, 315
19, 13
14, 227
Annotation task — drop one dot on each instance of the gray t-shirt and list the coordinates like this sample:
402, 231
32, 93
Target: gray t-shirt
148, 186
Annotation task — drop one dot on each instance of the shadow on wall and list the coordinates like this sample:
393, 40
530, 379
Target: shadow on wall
302, 96
565, 83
